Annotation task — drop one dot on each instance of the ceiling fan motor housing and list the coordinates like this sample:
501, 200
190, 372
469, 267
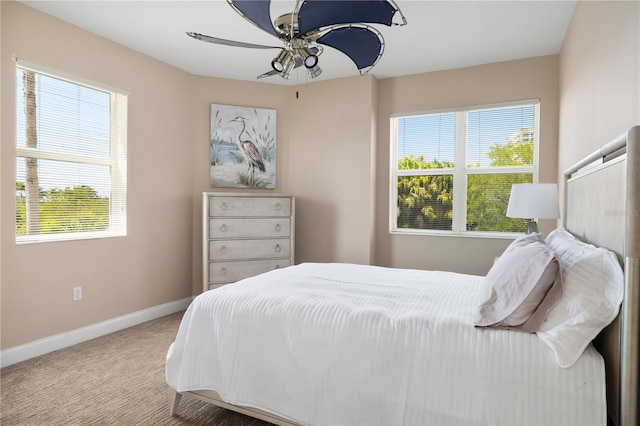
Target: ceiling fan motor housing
286, 26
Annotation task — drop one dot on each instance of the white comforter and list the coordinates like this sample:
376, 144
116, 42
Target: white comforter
338, 344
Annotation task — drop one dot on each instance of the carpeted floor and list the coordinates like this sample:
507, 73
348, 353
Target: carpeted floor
116, 380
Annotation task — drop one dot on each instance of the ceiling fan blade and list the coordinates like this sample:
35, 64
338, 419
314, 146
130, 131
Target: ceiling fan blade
258, 12
267, 74
363, 44
316, 14
216, 40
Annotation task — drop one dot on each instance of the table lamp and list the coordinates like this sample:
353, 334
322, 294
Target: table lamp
533, 201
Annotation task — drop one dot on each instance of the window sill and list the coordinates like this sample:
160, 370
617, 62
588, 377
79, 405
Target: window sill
466, 234
46, 238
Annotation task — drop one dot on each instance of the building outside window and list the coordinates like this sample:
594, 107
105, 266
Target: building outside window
71, 167
452, 171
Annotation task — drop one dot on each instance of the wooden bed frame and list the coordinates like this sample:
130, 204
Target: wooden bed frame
602, 207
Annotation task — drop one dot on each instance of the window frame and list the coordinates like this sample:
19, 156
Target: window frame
117, 160
458, 172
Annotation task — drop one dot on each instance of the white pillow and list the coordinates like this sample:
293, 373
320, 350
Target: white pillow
593, 291
517, 283
567, 248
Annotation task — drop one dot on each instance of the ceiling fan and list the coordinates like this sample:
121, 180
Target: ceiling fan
341, 24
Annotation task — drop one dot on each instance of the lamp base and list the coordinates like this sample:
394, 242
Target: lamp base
532, 227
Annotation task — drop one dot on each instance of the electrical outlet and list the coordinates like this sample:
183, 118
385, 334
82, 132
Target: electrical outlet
77, 293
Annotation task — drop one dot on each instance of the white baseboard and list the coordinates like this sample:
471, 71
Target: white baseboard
73, 337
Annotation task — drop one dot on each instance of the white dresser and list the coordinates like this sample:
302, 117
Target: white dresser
245, 235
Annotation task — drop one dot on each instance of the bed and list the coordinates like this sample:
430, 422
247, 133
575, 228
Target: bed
355, 344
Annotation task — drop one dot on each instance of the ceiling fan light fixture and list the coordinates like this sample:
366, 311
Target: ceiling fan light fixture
287, 72
288, 66
314, 71
283, 61
309, 58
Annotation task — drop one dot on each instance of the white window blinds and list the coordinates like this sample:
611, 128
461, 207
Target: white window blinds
428, 137
498, 136
452, 171
70, 158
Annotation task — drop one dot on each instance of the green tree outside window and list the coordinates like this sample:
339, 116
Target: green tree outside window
426, 201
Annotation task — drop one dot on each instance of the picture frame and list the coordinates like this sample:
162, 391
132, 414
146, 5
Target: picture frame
242, 147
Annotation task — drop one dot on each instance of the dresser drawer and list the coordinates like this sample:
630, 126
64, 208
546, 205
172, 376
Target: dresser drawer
249, 249
250, 206
247, 228
224, 272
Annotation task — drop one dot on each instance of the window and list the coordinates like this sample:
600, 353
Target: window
452, 170
71, 168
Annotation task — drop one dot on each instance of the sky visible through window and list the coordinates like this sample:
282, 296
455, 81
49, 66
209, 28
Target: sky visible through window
433, 135
70, 118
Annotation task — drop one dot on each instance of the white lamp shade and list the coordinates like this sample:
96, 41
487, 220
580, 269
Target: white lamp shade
534, 201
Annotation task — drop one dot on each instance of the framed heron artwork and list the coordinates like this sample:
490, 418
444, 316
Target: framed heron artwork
242, 147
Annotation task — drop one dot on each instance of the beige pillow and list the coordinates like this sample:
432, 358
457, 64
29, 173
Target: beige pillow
518, 283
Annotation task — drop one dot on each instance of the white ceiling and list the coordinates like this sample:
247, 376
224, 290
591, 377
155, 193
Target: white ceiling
439, 34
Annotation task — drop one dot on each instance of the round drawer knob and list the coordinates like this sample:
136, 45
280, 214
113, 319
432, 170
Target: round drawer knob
278, 207
223, 228
278, 227
278, 248
223, 249
223, 206
223, 271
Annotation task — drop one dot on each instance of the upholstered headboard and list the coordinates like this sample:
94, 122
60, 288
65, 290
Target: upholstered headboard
602, 207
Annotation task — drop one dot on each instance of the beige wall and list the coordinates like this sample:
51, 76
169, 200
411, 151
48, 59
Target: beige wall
328, 168
535, 78
229, 92
152, 264
599, 77
333, 153
331, 168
